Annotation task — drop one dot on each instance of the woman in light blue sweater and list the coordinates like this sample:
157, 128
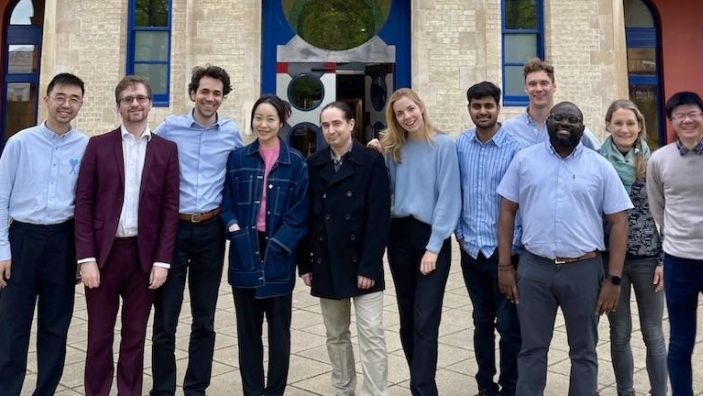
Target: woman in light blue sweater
424, 175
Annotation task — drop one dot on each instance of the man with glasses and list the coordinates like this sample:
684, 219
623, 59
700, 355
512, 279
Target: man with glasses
674, 189
204, 141
126, 219
38, 172
562, 190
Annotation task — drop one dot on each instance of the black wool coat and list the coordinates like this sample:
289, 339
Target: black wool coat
349, 223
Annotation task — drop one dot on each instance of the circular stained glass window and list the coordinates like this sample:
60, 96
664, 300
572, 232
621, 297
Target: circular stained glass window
305, 92
336, 24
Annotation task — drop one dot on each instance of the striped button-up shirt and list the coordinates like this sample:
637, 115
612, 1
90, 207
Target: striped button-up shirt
481, 166
38, 173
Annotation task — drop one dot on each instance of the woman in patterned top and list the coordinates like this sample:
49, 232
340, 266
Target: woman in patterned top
626, 149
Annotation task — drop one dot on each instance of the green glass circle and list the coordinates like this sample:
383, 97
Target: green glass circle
336, 24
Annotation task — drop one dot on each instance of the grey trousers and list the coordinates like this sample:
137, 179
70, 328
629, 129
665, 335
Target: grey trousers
543, 287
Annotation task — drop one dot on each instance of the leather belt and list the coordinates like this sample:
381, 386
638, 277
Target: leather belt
568, 260
199, 217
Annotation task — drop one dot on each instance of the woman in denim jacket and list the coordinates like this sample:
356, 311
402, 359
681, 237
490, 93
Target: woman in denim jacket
626, 149
264, 210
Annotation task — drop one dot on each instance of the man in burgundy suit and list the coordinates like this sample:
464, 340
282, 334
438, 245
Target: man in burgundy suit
126, 218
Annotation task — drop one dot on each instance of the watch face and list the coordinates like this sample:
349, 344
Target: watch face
614, 279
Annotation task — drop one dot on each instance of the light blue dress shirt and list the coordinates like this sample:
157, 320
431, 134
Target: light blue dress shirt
524, 128
562, 200
202, 154
425, 185
481, 166
38, 173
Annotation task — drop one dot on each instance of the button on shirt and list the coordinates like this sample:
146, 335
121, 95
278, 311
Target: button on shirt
562, 200
524, 128
481, 166
134, 153
202, 154
38, 173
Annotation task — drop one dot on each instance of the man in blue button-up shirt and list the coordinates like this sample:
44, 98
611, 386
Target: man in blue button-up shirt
484, 155
38, 173
562, 191
204, 142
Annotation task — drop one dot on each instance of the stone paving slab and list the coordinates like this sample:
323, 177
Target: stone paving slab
310, 370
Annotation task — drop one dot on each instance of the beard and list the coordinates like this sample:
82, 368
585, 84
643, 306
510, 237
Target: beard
565, 140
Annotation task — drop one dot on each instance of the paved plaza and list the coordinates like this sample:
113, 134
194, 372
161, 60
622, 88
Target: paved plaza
309, 367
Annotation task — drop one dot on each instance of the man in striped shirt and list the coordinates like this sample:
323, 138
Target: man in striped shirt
484, 155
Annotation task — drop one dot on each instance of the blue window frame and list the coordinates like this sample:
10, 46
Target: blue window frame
522, 37
149, 45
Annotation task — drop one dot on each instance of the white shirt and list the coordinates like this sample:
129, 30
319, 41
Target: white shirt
134, 153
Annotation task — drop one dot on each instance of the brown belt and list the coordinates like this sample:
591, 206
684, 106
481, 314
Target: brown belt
199, 217
568, 260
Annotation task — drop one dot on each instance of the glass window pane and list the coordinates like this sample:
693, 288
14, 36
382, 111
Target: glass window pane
514, 84
151, 13
641, 61
336, 24
637, 14
520, 14
151, 46
645, 97
155, 74
20, 107
520, 47
305, 92
23, 59
23, 14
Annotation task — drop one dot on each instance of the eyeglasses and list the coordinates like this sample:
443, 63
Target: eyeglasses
570, 118
682, 116
62, 99
141, 99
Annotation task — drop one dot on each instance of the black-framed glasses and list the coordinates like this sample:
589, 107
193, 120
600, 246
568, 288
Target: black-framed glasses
141, 99
571, 119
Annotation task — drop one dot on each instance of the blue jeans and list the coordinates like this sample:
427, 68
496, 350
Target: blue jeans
638, 275
491, 312
683, 282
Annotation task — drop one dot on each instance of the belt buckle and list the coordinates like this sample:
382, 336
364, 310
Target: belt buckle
192, 217
559, 261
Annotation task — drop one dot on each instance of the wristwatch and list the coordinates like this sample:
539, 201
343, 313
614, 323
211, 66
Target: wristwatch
615, 280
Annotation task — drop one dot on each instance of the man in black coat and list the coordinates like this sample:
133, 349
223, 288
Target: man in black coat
350, 195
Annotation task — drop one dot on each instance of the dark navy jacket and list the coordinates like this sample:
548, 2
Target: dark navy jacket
272, 272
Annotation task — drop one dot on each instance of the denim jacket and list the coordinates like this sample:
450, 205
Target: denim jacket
272, 272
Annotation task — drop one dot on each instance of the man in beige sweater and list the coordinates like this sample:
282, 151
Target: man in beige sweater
675, 191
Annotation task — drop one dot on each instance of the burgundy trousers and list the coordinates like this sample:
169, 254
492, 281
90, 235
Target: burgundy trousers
121, 276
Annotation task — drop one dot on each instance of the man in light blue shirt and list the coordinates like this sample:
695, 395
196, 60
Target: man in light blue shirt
204, 142
38, 173
562, 190
531, 126
484, 155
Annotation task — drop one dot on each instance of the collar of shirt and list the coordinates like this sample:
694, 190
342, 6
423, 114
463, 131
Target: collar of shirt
683, 150
498, 139
528, 118
577, 151
126, 135
341, 157
51, 135
194, 124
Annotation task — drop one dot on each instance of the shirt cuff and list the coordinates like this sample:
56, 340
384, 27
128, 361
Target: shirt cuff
162, 265
86, 260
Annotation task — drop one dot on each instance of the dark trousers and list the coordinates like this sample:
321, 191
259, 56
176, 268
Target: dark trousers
199, 258
120, 276
491, 312
683, 283
419, 298
43, 274
250, 315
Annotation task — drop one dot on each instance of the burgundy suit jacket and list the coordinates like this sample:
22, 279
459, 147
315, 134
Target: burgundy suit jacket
100, 194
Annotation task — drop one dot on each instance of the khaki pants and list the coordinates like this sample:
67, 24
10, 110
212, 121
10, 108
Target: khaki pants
372, 343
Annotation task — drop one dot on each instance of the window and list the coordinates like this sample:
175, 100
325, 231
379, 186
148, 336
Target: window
149, 45
523, 38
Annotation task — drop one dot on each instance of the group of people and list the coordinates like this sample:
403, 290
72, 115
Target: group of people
545, 216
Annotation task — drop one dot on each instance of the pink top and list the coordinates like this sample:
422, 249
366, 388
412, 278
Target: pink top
270, 156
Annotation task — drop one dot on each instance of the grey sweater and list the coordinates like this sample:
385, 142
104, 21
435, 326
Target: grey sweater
675, 193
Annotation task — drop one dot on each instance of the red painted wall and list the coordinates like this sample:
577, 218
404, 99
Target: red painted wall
682, 47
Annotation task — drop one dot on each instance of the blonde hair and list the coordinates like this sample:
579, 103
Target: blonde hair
625, 104
395, 135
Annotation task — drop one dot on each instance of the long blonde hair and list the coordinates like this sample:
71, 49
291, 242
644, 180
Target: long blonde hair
626, 104
395, 135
